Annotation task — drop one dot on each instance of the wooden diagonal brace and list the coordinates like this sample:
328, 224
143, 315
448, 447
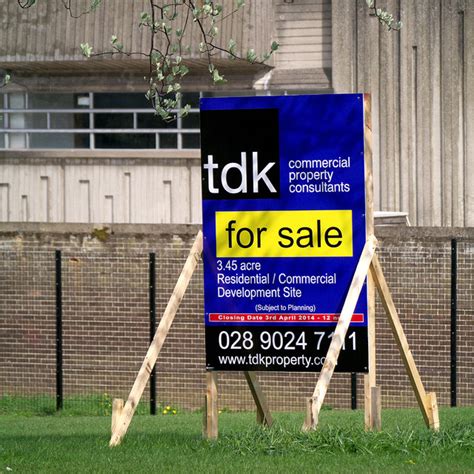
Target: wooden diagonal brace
155, 347
427, 403
264, 416
341, 329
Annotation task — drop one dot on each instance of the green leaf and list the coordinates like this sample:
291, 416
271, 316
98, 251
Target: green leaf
94, 5
240, 3
6, 79
251, 56
86, 49
274, 46
185, 111
217, 78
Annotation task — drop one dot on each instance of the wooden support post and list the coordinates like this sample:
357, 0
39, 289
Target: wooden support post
376, 409
367, 401
211, 414
428, 408
117, 407
370, 416
264, 416
341, 328
369, 219
157, 343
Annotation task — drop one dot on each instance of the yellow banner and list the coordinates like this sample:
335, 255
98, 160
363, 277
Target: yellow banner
284, 234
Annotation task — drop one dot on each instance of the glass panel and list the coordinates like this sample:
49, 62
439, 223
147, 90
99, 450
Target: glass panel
113, 120
124, 140
2, 140
153, 121
16, 100
168, 140
190, 121
59, 140
191, 140
120, 100
2, 103
69, 120
41, 100
191, 98
82, 101
17, 140
27, 120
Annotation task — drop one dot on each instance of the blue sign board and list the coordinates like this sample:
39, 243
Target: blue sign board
284, 226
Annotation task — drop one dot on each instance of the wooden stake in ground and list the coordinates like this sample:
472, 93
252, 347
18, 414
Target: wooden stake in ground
341, 330
117, 407
426, 402
211, 414
155, 347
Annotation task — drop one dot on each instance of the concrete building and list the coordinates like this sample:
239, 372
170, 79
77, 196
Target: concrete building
79, 142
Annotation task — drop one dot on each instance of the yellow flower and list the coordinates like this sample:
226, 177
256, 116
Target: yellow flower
174, 412
165, 412
168, 408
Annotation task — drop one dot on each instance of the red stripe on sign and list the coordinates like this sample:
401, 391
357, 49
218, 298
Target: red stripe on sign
280, 318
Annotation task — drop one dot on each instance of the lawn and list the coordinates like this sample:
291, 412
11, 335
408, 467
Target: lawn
173, 443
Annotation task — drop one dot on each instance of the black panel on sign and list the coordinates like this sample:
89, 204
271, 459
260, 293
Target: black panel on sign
240, 154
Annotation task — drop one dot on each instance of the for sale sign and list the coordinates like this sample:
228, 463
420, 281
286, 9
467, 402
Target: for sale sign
284, 226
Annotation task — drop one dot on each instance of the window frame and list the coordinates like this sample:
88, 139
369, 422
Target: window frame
91, 131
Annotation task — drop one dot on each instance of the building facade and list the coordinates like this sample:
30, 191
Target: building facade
80, 143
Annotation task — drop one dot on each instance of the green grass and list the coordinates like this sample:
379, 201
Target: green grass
173, 444
75, 405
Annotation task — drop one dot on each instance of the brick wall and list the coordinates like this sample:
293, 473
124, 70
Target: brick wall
106, 319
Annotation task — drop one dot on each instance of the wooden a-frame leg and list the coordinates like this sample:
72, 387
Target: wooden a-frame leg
125, 418
264, 416
426, 402
341, 330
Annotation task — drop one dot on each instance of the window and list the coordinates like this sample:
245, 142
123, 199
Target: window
94, 121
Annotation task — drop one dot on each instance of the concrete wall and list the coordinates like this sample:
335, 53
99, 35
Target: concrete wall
47, 37
101, 186
106, 321
422, 85
303, 29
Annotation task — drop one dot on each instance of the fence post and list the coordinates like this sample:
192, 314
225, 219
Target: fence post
152, 306
353, 390
454, 309
59, 331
